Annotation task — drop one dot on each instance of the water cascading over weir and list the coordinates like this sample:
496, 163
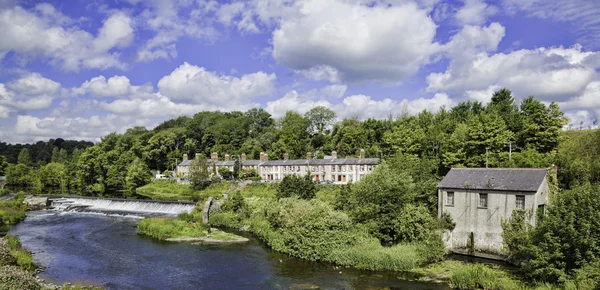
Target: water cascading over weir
121, 206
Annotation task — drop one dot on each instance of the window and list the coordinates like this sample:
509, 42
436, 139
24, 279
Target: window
542, 209
333, 168
483, 200
450, 198
350, 168
520, 203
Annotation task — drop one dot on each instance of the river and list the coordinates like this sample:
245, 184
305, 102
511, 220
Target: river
106, 251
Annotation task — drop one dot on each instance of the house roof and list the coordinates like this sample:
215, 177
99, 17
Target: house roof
296, 162
506, 179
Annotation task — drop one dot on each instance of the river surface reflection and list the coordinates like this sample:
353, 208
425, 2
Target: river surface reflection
105, 250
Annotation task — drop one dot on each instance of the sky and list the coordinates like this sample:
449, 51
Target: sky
81, 69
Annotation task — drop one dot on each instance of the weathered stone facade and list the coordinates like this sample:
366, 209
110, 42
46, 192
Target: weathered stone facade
478, 199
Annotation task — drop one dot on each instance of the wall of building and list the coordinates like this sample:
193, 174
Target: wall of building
484, 223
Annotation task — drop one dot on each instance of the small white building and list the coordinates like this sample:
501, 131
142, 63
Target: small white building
478, 199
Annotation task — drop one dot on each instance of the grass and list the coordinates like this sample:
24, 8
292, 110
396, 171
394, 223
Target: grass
372, 256
167, 190
480, 276
169, 228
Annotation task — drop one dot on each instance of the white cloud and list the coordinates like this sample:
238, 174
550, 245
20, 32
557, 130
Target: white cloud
29, 92
293, 101
34, 84
195, 85
40, 34
164, 18
30, 128
357, 106
116, 86
474, 12
547, 73
471, 40
357, 41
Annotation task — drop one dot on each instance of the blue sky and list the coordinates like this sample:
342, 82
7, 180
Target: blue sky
82, 69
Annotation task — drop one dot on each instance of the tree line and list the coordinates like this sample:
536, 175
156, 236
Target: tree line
501, 134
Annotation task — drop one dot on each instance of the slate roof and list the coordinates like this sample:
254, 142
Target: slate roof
507, 179
296, 162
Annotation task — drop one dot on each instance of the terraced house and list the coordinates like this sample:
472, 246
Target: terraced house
331, 168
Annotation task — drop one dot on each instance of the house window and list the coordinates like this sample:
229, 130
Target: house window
350, 168
483, 200
541, 209
298, 168
450, 198
520, 204
333, 168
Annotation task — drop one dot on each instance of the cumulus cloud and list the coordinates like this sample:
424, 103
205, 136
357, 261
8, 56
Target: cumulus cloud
116, 86
195, 85
29, 92
39, 33
547, 73
358, 106
355, 41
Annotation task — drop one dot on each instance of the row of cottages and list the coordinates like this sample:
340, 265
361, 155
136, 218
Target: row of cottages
331, 168
478, 199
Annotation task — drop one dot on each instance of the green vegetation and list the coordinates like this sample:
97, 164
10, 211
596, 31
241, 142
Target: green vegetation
11, 211
388, 220
169, 228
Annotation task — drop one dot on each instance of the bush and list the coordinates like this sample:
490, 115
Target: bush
297, 186
588, 277
225, 219
186, 217
13, 278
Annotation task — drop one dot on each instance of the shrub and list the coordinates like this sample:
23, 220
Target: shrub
225, 219
13, 278
186, 217
297, 186
588, 277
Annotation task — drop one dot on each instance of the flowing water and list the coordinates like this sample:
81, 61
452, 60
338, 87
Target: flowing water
105, 250
124, 206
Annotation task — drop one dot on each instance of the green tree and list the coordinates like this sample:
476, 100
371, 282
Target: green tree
296, 186
224, 172
3, 164
320, 118
24, 157
199, 173
541, 125
138, 174
54, 175
20, 175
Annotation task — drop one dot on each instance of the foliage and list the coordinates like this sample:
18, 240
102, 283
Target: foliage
13, 278
562, 241
3, 164
199, 173
12, 211
225, 172
235, 202
166, 228
479, 276
138, 174
297, 186
320, 118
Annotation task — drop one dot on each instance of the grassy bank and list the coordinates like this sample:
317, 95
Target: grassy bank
11, 211
186, 227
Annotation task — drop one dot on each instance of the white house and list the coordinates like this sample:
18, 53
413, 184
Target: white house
478, 199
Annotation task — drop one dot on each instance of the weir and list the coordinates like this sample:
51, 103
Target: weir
125, 206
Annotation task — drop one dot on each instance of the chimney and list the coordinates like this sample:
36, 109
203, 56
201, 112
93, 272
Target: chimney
362, 153
266, 157
333, 155
309, 155
214, 156
262, 157
185, 157
226, 157
286, 156
243, 157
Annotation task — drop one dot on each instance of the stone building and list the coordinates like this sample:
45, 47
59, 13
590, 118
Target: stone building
333, 169
478, 199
